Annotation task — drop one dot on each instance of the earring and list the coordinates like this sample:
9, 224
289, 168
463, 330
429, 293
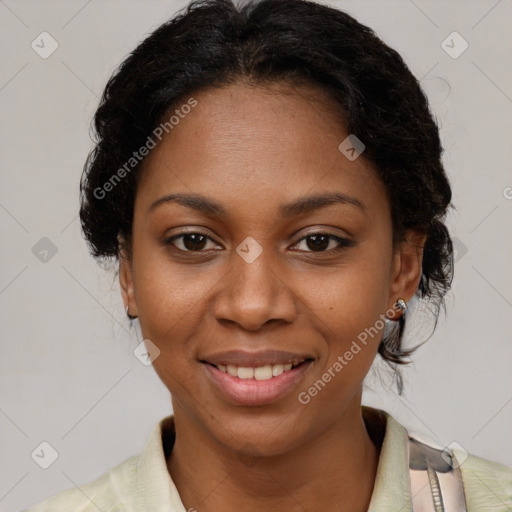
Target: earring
128, 313
401, 304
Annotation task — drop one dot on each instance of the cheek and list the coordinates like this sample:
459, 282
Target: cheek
348, 314
167, 307
172, 307
166, 293
352, 298
162, 295
348, 309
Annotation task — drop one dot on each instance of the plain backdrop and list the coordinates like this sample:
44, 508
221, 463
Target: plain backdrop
68, 375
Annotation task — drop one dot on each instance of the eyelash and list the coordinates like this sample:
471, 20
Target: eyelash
343, 242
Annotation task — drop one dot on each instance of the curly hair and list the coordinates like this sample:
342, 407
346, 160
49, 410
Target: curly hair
213, 43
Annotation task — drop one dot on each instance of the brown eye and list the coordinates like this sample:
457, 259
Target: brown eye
189, 242
324, 242
318, 242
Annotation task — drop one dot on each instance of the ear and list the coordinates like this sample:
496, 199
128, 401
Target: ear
406, 267
126, 277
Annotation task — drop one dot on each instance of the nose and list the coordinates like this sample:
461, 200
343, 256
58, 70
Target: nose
255, 294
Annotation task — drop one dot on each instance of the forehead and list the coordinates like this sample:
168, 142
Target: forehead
274, 142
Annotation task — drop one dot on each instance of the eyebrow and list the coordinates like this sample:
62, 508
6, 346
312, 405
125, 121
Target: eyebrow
300, 206
310, 203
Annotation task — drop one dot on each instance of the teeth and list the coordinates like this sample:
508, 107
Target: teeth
245, 373
259, 373
263, 372
277, 369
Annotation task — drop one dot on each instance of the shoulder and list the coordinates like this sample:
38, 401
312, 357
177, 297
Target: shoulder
140, 481
111, 491
487, 484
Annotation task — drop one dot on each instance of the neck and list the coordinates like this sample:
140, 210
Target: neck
335, 471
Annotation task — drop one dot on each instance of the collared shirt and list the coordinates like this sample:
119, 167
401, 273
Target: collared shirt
142, 482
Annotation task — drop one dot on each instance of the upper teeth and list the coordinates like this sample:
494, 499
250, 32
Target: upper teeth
259, 373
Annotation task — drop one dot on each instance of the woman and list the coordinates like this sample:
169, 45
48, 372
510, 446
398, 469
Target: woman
269, 179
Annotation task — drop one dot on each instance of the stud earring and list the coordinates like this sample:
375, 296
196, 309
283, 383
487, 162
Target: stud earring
401, 304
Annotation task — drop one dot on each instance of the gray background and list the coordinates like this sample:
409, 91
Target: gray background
67, 372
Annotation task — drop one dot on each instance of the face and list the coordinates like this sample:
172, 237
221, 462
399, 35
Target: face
256, 245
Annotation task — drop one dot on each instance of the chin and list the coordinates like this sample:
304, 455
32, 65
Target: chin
255, 436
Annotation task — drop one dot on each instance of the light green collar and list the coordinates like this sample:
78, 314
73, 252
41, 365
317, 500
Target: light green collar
156, 490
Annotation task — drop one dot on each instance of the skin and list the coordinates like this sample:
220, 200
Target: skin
251, 149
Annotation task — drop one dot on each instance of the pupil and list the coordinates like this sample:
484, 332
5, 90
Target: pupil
194, 241
320, 242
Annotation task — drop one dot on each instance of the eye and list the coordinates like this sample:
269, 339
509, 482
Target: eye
324, 242
314, 242
190, 242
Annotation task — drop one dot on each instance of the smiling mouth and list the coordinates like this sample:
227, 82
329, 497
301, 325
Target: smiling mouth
266, 372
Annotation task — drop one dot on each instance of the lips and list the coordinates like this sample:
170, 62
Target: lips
257, 378
255, 359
